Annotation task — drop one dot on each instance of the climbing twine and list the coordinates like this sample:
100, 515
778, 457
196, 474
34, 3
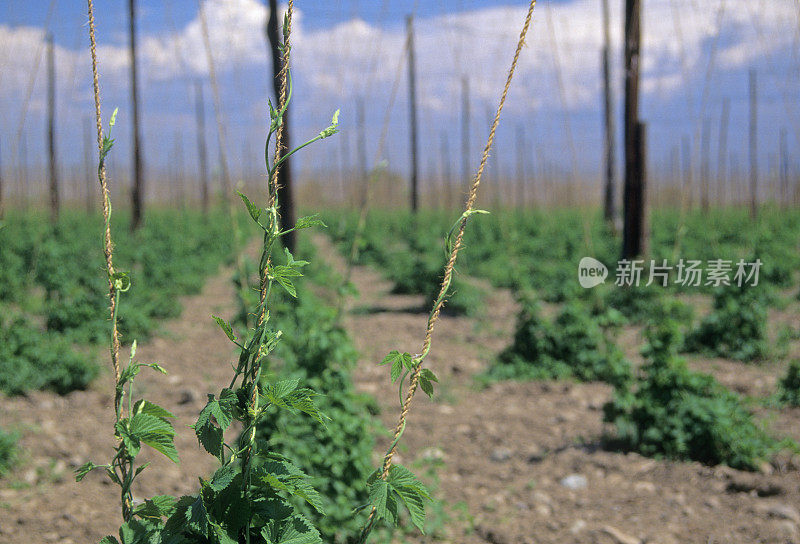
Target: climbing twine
108, 248
273, 182
448, 271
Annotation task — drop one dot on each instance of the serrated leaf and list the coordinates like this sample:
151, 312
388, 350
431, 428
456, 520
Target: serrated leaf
428, 375
397, 368
210, 437
378, 495
287, 284
411, 492
278, 391
426, 386
155, 366
83, 470
413, 501
400, 476
284, 476
197, 516
145, 425
164, 444
252, 209
226, 328
309, 221
223, 477
295, 530
146, 407
130, 441
109, 540
156, 508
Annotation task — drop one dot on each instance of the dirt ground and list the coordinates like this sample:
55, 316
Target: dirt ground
518, 463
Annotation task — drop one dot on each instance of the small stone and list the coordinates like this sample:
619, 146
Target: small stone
712, 503
501, 455
30, 477
784, 511
645, 487
432, 454
543, 510
446, 409
574, 481
542, 498
187, 396
618, 536
578, 526
788, 529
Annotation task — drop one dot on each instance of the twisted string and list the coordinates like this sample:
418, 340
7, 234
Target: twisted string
108, 247
273, 182
448, 272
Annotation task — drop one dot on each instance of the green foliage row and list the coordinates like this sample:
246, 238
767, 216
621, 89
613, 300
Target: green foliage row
539, 249
574, 345
737, 326
49, 274
789, 385
8, 450
410, 254
32, 359
673, 412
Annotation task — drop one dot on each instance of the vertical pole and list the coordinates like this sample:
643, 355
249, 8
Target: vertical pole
88, 146
753, 144
784, 168
705, 151
285, 172
179, 169
137, 195
634, 239
23, 161
446, 172
202, 150
361, 149
51, 129
1, 186
722, 157
609, 208
465, 123
688, 182
520, 150
347, 167
412, 104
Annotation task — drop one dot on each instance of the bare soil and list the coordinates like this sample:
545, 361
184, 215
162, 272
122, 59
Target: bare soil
508, 448
504, 451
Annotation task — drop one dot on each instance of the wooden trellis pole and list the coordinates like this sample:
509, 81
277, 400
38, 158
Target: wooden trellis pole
286, 188
412, 109
609, 200
634, 238
137, 193
753, 144
55, 203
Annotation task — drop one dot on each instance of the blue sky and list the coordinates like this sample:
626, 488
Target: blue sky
696, 55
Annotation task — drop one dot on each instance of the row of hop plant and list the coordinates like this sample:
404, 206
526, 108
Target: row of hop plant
662, 409
539, 250
408, 250
51, 300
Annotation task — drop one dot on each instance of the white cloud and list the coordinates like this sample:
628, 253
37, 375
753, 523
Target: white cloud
356, 57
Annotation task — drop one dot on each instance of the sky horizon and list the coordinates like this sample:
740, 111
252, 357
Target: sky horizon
695, 56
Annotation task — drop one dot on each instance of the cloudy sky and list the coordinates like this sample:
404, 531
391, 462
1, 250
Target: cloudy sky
697, 53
